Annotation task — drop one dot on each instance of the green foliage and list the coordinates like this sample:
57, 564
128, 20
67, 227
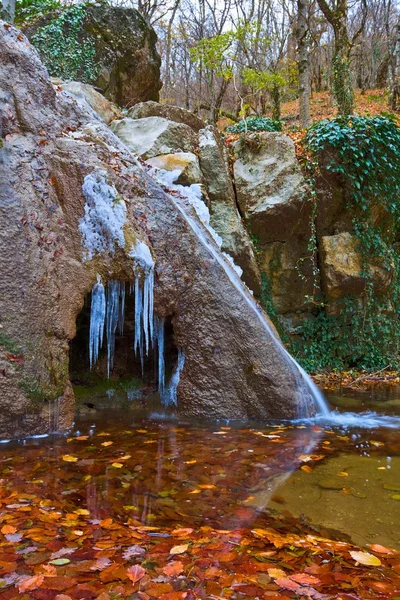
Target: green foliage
9, 345
28, 10
263, 80
215, 54
255, 124
67, 51
366, 338
364, 333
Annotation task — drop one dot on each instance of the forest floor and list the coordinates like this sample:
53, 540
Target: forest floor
371, 102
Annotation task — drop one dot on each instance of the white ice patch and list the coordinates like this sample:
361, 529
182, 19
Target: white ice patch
141, 254
192, 194
97, 319
236, 267
102, 226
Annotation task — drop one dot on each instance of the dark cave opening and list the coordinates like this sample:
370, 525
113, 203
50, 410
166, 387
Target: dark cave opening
128, 381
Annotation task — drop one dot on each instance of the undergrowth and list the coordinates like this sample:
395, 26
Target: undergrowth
255, 124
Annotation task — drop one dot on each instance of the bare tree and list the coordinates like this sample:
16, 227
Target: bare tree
395, 91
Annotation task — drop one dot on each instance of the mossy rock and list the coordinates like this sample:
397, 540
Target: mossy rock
112, 48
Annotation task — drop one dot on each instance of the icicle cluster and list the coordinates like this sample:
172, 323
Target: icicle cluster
108, 312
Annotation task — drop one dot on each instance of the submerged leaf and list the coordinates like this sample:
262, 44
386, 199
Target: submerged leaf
364, 558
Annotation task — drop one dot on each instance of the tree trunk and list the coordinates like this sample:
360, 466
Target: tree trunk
342, 87
9, 10
395, 91
303, 63
276, 103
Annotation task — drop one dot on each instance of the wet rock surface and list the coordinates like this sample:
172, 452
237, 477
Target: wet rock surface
233, 366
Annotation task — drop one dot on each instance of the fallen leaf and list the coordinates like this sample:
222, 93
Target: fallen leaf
6, 529
117, 465
136, 573
179, 549
69, 458
107, 443
364, 558
173, 568
59, 562
276, 573
31, 583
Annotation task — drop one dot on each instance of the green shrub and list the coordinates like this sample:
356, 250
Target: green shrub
255, 124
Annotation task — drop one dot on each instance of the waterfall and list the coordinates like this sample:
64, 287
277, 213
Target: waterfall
190, 193
97, 318
170, 394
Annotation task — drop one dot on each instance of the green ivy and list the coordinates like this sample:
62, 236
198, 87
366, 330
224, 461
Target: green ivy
28, 10
255, 124
64, 47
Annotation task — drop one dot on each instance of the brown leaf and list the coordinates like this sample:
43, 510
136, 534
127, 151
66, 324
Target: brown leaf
136, 573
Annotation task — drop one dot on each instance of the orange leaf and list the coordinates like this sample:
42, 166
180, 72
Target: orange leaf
136, 573
6, 529
173, 568
31, 583
182, 532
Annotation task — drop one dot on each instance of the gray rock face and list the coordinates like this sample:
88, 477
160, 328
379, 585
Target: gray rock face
270, 187
153, 136
167, 111
342, 265
234, 367
185, 162
126, 63
225, 218
103, 107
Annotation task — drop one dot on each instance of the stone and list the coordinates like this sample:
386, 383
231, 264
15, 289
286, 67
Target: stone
126, 62
341, 267
270, 187
234, 365
103, 107
289, 269
167, 111
152, 136
185, 162
225, 217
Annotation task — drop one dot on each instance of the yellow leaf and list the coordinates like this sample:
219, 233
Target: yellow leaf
78, 532
107, 443
364, 558
195, 492
190, 462
69, 458
207, 486
82, 511
117, 465
179, 549
342, 474
125, 457
276, 573
306, 469
141, 430
82, 438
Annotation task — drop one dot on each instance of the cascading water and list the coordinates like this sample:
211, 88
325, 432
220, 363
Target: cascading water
211, 243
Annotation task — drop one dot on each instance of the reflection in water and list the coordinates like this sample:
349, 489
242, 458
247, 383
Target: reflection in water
167, 474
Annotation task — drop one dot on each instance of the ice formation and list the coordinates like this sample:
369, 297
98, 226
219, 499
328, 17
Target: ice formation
159, 325
114, 317
170, 394
97, 318
102, 226
144, 297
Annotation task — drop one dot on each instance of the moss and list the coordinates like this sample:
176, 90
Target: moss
8, 344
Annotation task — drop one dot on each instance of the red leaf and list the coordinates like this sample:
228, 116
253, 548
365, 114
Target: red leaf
173, 568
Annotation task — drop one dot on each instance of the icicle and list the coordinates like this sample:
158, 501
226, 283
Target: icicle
112, 316
159, 337
151, 303
97, 318
121, 316
170, 395
138, 341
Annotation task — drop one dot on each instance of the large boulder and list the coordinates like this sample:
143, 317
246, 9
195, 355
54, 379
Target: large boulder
186, 163
153, 136
103, 107
61, 172
270, 187
342, 268
167, 111
225, 218
111, 47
